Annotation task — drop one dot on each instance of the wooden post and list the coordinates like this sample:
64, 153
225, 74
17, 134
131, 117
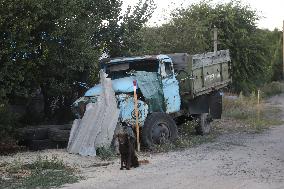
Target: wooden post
215, 39
258, 97
136, 114
283, 52
258, 104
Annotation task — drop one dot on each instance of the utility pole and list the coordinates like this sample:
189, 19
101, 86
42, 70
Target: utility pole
215, 39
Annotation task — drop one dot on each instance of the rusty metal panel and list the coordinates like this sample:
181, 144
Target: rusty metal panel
151, 87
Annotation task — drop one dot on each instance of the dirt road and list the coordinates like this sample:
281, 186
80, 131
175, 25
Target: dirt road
232, 161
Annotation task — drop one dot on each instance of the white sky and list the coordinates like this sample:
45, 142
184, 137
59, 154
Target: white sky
272, 11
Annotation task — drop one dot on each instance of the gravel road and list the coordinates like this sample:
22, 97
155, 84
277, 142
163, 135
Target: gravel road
233, 161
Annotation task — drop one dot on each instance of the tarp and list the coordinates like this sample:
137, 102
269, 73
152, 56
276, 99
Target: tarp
96, 128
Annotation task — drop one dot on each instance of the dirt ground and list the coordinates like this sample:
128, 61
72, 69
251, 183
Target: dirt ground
234, 160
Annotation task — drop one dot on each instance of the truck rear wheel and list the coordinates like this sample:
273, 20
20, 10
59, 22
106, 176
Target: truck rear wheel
203, 126
158, 128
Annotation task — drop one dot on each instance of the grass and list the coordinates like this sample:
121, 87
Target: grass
273, 88
42, 173
242, 114
186, 139
106, 153
255, 117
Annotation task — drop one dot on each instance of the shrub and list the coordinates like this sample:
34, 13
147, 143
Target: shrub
8, 122
272, 88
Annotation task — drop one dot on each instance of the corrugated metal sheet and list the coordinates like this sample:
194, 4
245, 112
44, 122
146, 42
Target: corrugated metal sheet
96, 128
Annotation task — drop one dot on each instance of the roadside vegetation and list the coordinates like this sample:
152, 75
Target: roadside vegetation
240, 114
187, 138
250, 114
42, 173
271, 89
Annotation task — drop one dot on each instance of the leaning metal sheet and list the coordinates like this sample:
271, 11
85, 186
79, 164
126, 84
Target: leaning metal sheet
96, 129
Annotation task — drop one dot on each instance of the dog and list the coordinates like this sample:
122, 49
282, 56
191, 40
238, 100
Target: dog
126, 140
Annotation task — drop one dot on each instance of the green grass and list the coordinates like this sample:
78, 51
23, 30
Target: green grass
106, 153
273, 88
256, 117
187, 138
42, 173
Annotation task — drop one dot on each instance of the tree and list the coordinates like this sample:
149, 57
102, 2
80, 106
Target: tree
120, 35
50, 44
190, 30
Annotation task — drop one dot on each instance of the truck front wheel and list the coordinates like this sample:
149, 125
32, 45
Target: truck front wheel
158, 128
203, 126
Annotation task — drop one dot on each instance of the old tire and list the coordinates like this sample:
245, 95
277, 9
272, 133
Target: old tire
34, 133
35, 145
203, 127
60, 133
158, 128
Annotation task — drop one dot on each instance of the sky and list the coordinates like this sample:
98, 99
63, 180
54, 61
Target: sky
271, 11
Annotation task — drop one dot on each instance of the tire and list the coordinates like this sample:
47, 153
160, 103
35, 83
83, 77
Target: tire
57, 144
158, 128
60, 133
34, 133
35, 145
203, 127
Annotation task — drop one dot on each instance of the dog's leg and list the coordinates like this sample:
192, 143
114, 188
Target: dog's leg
129, 157
121, 163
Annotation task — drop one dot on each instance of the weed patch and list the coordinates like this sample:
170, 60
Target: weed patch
43, 173
187, 139
273, 88
256, 117
106, 153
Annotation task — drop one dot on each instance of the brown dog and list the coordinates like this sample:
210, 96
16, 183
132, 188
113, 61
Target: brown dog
127, 149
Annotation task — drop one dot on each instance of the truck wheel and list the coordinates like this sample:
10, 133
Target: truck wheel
158, 128
203, 126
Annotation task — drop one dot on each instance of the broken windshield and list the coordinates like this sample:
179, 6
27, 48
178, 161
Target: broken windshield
116, 71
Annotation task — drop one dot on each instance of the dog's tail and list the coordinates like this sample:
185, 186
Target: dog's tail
143, 162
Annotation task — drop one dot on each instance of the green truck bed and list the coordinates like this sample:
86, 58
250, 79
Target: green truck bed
201, 73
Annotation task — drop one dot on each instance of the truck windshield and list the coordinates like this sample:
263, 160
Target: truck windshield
120, 70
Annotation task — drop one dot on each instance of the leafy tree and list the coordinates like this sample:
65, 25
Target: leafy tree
50, 44
190, 30
120, 36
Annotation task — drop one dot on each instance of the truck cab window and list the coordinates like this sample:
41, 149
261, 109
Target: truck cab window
165, 69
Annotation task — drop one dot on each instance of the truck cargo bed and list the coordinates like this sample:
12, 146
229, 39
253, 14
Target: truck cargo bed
201, 73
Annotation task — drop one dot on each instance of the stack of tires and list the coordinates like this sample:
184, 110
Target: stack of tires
45, 137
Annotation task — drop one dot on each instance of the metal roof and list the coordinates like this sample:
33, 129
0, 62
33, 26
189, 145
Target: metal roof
128, 59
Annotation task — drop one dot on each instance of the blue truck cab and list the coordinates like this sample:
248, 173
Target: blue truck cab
171, 89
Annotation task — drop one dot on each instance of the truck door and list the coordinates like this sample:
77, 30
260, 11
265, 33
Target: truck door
170, 87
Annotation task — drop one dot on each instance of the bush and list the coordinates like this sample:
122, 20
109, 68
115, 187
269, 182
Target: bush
272, 88
256, 117
8, 122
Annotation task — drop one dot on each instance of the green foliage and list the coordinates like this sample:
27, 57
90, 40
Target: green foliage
271, 89
7, 122
119, 37
106, 153
187, 138
252, 116
43, 173
49, 45
254, 52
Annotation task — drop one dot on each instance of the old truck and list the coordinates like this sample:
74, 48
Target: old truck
172, 89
